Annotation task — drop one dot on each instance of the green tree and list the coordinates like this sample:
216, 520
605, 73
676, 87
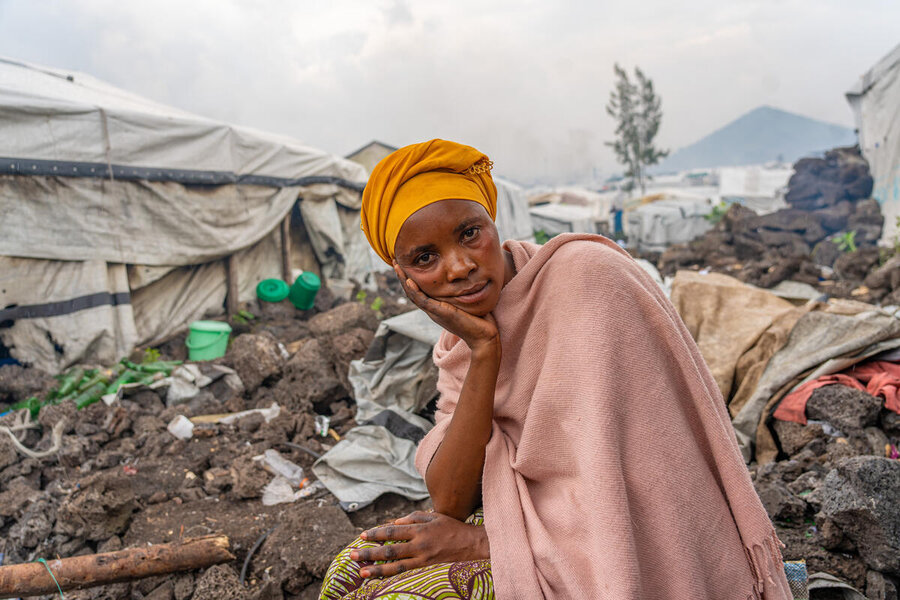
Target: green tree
638, 112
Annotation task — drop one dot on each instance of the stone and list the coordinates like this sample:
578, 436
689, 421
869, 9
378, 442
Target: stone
890, 423
345, 347
247, 478
34, 526
779, 502
100, 508
341, 319
8, 454
255, 358
879, 587
794, 436
862, 497
309, 380
19, 383
825, 253
184, 586
219, 582
845, 408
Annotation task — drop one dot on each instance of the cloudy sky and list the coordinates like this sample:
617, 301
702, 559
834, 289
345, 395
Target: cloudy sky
526, 81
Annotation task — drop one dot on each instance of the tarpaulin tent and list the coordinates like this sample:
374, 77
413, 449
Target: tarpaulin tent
122, 216
875, 100
672, 217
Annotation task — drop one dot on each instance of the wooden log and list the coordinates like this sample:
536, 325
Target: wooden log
286, 249
231, 277
79, 572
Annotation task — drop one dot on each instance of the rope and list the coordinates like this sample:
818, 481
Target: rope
44, 562
53, 449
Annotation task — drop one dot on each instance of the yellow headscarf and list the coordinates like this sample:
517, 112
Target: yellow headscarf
418, 175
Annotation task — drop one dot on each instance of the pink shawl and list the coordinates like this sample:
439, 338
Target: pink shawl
612, 470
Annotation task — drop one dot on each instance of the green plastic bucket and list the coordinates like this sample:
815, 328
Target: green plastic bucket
207, 340
303, 292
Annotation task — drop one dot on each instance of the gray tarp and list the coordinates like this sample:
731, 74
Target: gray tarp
822, 342
394, 380
875, 101
654, 227
91, 174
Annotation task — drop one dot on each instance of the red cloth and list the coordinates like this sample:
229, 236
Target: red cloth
876, 377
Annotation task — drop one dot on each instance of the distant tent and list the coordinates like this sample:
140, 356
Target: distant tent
875, 100
121, 216
370, 154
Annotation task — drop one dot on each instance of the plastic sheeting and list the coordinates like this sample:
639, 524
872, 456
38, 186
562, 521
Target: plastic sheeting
875, 101
61, 116
554, 219
656, 226
100, 328
513, 220
395, 379
95, 174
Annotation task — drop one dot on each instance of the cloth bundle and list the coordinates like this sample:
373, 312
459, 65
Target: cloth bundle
876, 377
612, 470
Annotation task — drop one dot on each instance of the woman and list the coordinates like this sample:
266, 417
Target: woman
575, 409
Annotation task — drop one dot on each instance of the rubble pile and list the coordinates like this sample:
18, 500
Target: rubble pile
827, 238
835, 495
121, 478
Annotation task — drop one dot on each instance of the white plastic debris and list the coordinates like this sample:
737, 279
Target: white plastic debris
281, 466
267, 413
323, 423
310, 489
279, 491
181, 427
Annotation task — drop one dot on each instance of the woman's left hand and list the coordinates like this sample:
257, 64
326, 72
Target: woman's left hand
424, 539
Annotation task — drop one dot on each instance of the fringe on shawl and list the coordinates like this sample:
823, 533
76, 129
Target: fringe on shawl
765, 558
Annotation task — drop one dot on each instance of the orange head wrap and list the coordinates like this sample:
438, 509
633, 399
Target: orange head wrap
414, 177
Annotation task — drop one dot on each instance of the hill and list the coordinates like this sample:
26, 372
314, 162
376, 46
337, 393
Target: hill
762, 135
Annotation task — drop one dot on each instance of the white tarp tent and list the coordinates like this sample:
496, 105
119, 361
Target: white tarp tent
513, 222
117, 215
875, 101
757, 187
675, 218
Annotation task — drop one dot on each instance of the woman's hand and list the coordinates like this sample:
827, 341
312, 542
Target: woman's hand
424, 539
476, 332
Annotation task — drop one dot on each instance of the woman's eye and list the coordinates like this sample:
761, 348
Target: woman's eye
470, 233
423, 259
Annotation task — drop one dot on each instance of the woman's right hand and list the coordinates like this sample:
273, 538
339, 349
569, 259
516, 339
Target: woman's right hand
479, 333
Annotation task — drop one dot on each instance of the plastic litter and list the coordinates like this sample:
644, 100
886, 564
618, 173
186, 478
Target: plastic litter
323, 424
228, 419
181, 427
279, 491
280, 466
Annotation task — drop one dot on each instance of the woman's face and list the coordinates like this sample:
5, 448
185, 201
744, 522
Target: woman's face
452, 251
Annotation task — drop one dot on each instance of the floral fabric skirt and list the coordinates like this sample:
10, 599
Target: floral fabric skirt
470, 580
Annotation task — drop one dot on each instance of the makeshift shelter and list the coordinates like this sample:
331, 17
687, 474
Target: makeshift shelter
371, 154
757, 187
123, 220
875, 101
666, 218
513, 220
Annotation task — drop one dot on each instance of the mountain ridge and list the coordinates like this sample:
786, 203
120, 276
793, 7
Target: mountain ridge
761, 135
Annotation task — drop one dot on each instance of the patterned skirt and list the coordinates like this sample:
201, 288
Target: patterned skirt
470, 580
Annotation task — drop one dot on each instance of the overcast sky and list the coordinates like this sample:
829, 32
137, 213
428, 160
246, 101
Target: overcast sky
526, 81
